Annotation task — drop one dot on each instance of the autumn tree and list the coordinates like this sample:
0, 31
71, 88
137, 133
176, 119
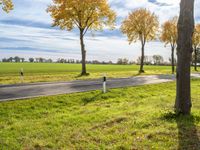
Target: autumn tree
169, 36
196, 57
83, 14
196, 44
7, 5
140, 25
184, 52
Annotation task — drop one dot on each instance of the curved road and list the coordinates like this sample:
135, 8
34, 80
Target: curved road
23, 91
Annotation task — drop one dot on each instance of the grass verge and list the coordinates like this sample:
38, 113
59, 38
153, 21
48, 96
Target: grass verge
127, 118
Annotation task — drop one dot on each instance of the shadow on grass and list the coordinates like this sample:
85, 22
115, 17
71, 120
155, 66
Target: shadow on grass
87, 100
137, 74
80, 75
187, 131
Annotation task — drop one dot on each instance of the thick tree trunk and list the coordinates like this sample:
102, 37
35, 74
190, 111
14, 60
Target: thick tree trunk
83, 52
184, 51
173, 63
195, 59
142, 60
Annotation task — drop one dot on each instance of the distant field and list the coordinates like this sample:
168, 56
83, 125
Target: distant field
136, 118
45, 72
13, 68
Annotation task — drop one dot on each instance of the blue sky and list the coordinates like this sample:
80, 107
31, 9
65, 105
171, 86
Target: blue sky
27, 32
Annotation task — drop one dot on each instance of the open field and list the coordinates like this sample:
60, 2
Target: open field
45, 72
128, 118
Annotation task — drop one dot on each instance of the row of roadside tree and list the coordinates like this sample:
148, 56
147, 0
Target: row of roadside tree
141, 25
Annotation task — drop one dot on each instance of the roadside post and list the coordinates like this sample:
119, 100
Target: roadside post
22, 75
104, 83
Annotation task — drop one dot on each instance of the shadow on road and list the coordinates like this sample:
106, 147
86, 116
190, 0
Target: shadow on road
167, 76
188, 135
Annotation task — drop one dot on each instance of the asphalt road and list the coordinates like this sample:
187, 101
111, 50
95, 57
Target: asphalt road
24, 91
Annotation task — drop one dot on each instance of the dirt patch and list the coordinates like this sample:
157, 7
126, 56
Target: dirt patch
110, 123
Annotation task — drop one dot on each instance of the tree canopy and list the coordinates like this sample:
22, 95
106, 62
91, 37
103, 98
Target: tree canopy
196, 37
169, 32
141, 24
84, 14
7, 5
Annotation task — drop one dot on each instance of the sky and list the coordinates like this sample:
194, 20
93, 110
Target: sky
26, 32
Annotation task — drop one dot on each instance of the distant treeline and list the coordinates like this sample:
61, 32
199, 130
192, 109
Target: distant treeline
18, 59
154, 60
148, 60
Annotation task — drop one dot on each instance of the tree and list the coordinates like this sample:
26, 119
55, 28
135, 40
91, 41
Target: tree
41, 60
4, 60
83, 14
196, 57
122, 61
196, 44
17, 59
147, 60
175, 60
125, 61
169, 36
183, 102
22, 59
37, 60
141, 25
31, 60
158, 60
61, 60
49, 60
10, 59
7, 5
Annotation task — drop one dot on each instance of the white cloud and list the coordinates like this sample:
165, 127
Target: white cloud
54, 43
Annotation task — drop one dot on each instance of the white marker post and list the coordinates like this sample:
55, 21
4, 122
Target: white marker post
22, 75
104, 84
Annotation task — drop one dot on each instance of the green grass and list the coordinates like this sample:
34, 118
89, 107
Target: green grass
127, 118
45, 72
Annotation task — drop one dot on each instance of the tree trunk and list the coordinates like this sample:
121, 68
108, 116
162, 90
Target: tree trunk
195, 59
83, 52
142, 60
183, 102
173, 63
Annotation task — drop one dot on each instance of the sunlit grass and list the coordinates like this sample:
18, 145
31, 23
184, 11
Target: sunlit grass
126, 118
44, 72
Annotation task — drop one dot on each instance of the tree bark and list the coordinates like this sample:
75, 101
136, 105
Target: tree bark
183, 102
173, 63
83, 52
195, 59
142, 60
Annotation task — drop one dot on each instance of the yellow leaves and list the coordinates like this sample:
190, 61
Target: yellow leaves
7, 5
169, 32
196, 36
141, 25
84, 14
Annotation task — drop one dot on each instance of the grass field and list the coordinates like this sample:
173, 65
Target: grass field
129, 118
44, 72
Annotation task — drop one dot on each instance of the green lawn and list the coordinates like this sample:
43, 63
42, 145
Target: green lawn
43, 72
127, 118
